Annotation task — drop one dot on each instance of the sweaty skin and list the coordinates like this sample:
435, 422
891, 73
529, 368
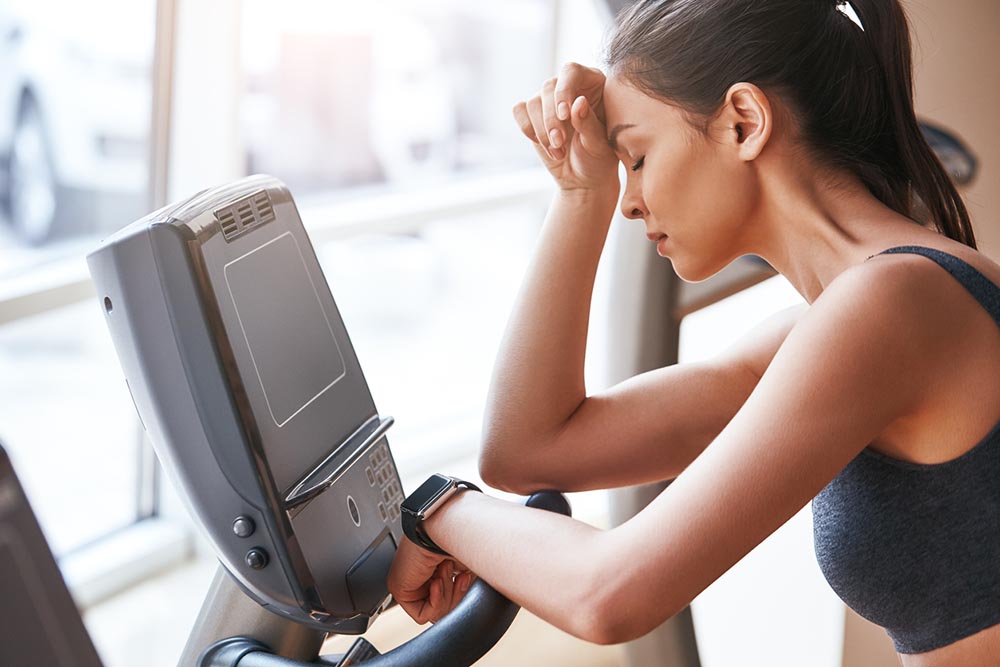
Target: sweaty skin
751, 436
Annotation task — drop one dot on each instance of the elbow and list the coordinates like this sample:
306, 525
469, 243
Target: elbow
499, 474
606, 624
506, 467
615, 613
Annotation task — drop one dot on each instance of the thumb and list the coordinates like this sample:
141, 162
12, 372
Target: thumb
593, 134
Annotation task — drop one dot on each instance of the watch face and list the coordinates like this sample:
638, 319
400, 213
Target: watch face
435, 486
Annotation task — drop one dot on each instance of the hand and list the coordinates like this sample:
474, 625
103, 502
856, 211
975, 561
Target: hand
566, 123
426, 585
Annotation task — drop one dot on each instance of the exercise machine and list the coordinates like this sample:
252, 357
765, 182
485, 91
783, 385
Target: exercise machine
246, 381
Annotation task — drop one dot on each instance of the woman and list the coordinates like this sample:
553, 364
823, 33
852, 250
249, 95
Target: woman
784, 129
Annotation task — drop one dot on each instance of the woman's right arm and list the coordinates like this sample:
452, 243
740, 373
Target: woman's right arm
648, 428
540, 428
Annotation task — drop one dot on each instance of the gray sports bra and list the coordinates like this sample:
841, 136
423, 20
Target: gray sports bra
915, 547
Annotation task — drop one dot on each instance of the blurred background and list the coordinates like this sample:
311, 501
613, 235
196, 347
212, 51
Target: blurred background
390, 122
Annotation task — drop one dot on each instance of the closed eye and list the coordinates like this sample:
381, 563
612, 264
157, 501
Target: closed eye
638, 165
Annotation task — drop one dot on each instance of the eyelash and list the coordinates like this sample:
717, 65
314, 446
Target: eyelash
638, 165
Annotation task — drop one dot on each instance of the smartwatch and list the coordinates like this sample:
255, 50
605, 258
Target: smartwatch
423, 502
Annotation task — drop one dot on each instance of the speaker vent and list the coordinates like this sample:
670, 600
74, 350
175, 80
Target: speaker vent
244, 215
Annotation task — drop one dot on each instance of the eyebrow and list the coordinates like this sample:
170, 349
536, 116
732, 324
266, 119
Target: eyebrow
613, 137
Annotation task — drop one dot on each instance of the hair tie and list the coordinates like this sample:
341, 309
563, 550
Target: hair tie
845, 8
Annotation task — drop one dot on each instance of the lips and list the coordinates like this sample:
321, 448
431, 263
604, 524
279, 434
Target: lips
655, 236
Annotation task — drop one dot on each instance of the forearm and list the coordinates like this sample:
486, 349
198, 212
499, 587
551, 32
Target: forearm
550, 564
538, 379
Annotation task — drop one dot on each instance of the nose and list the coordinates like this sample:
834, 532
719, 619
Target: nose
633, 207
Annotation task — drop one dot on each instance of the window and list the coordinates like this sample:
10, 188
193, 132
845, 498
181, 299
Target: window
75, 98
359, 105
344, 95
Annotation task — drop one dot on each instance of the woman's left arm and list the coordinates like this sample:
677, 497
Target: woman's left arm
860, 358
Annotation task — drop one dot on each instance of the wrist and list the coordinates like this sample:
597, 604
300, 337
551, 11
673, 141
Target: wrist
439, 526
429, 498
604, 196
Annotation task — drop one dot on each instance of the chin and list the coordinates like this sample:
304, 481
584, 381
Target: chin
693, 271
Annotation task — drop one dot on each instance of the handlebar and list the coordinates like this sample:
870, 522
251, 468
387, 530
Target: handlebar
471, 629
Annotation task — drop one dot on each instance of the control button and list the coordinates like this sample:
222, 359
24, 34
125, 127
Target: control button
393, 512
386, 496
256, 558
244, 526
371, 476
381, 510
352, 507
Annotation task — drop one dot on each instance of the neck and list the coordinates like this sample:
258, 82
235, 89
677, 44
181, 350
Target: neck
811, 228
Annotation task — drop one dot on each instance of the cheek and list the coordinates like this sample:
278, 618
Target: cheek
704, 209
709, 198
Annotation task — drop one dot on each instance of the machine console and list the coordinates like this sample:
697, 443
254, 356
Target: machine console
244, 376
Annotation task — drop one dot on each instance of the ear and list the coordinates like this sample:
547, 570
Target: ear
745, 120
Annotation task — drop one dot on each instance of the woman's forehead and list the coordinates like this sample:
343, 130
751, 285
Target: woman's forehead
626, 105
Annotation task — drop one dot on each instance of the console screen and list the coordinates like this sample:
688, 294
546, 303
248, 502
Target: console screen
295, 354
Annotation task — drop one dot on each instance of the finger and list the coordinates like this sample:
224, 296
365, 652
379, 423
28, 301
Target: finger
574, 80
590, 129
463, 582
447, 574
527, 129
434, 599
447, 599
457, 592
554, 129
418, 611
523, 121
538, 124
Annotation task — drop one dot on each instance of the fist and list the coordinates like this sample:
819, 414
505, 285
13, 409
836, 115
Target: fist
426, 585
565, 122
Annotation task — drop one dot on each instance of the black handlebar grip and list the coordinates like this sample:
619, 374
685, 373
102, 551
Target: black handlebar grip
553, 501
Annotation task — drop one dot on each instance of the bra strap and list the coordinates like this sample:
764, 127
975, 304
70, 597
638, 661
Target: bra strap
982, 288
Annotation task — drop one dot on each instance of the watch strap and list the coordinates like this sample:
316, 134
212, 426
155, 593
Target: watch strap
413, 526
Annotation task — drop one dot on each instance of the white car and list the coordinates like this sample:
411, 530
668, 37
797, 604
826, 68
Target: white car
75, 106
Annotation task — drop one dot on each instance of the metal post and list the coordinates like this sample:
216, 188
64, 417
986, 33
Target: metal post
228, 612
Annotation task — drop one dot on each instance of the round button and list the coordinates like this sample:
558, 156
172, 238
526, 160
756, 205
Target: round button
352, 507
256, 558
243, 526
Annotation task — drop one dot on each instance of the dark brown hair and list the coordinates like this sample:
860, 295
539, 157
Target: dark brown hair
850, 89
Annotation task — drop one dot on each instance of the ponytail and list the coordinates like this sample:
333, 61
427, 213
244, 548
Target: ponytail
851, 88
918, 172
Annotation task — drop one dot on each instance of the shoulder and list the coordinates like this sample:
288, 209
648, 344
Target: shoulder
901, 292
870, 334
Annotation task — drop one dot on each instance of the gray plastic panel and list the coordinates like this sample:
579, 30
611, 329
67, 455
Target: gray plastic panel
272, 273
180, 393
244, 375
